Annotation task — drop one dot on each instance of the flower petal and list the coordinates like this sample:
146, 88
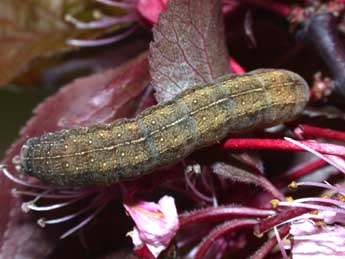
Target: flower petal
150, 9
312, 240
156, 223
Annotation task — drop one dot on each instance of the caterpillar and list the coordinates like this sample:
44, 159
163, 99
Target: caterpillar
166, 133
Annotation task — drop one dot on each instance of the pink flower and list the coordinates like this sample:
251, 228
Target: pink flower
313, 241
150, 9
156, 224
236, 68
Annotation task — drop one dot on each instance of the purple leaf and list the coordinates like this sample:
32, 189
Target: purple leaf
90, 100
189, 47
95, 99
23, 238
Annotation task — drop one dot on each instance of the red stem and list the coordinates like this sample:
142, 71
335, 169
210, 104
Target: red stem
306, 131
268, 223
235, 67
298, 171
267, 247
227, 227
279, 144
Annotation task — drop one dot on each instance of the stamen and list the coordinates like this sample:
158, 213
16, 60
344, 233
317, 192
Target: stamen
102, 23
304, 217
58, 195
123, 4
280, 243
311, 206
315, 199
55, 206
98, 199
214, 200
42, 221
11, 177
26, 206
100, 42
337, 162
322, 185
195, 190
207, 181
84, 222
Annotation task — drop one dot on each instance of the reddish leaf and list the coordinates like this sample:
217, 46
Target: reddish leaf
22, 238
188, 48
90, 100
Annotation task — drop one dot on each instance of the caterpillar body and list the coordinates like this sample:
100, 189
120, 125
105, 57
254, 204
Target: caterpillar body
166, 133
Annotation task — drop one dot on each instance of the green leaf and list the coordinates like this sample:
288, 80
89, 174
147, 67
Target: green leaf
37, 28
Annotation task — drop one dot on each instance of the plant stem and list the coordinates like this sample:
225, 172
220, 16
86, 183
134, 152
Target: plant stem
279, 144
321, 32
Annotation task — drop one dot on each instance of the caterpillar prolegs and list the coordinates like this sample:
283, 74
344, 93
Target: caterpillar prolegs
166, 133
